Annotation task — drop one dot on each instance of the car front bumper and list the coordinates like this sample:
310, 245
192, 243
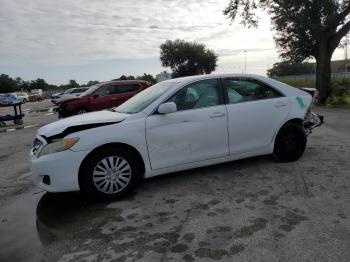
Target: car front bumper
57, 172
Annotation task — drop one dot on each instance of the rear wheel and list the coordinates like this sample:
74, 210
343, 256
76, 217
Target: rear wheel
109, 173
290, 143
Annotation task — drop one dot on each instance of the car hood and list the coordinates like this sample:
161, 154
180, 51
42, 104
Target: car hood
66, 98
81, 122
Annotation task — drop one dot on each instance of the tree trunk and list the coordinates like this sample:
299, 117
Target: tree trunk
323, 73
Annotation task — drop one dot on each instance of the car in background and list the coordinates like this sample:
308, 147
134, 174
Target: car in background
55, 98
22, 97
8, 98
174, 125
101, 96
36, 95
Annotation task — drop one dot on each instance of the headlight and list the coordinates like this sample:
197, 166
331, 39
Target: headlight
58, 146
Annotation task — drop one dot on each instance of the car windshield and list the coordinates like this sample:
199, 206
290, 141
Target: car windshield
89, 91
143, 99
68, 91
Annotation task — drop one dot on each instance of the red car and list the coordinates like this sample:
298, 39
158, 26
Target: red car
101, 96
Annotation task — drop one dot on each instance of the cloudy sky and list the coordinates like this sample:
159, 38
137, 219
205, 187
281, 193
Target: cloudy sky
103, 39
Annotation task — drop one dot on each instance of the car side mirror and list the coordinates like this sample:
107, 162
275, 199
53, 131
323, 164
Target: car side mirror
167, 108
95, 96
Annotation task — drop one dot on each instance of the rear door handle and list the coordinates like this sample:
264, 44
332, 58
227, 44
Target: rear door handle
217, 115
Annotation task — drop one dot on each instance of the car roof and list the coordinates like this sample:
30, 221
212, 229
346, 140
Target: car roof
285, 89
188, 79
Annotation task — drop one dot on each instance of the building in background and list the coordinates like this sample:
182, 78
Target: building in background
163, 76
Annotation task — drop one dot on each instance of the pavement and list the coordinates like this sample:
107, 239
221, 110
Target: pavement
249, 210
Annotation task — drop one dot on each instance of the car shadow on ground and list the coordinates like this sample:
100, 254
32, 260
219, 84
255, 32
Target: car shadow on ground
58, 214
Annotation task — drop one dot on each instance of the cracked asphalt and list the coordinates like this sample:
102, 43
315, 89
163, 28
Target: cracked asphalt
249, 210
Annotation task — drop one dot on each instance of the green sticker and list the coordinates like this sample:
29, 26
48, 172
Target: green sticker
300, 102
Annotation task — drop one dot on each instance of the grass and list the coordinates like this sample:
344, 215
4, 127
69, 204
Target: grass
299, 82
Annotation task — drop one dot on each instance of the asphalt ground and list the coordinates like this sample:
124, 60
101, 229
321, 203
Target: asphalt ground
249, 210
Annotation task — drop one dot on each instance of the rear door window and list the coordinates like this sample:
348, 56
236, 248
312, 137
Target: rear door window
245, 90
127, 88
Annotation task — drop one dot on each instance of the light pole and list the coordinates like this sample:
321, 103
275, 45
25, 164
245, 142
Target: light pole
245, 62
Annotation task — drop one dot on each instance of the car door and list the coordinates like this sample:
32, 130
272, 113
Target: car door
255, 111
100, 99
196, 131
123, 92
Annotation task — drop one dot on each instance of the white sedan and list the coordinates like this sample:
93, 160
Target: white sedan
174, 125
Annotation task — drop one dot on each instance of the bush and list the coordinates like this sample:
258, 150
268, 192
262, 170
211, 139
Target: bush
340, 91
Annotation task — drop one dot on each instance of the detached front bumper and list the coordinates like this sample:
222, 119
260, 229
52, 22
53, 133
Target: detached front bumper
312, 120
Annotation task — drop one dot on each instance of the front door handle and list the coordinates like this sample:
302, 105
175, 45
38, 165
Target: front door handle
217, 115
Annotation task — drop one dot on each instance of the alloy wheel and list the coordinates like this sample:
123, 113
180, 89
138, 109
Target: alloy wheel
112, 174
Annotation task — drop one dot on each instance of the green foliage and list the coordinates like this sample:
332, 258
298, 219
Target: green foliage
72, 84
91, 83
300, 25
187, 58
300, 82
147, 77
39, 84
7, 84
124, 77
289, 69
340, 91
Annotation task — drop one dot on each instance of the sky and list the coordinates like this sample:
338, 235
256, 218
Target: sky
103, 39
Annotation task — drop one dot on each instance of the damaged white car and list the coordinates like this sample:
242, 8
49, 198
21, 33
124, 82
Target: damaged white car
174, 125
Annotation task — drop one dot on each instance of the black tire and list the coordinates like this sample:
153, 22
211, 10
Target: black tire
80, 111
89, 165
18, 122
290, 143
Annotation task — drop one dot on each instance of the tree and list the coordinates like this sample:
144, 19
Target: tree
304, 29
7, 84
22, 85
92, 82
72, 84
124, 77
147, 77
187, 58
286, 68
39, 84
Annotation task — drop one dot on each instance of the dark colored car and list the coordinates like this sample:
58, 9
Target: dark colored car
101, 96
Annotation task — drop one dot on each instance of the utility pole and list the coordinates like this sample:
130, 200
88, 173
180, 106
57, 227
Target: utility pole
245, 62
346, 46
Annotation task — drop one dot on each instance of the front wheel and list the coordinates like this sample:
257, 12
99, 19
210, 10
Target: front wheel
109, 173
290, 143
